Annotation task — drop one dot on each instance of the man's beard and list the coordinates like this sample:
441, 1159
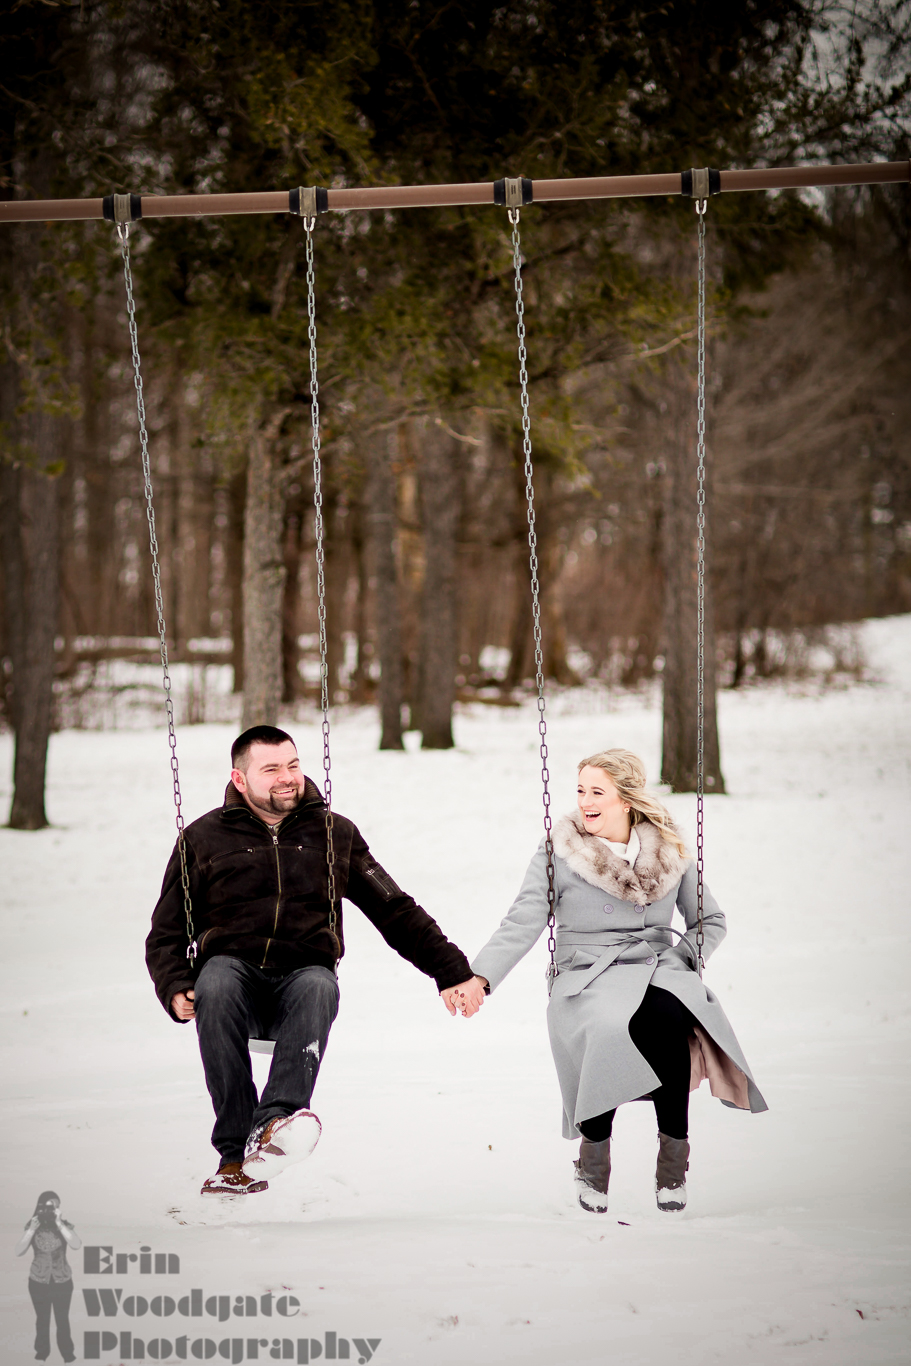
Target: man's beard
279, 803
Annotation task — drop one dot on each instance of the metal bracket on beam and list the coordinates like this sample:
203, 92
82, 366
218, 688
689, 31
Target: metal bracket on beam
700, 183
513, 192
122, 208
308, 200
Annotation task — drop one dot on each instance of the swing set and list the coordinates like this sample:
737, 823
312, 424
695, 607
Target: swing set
513, 194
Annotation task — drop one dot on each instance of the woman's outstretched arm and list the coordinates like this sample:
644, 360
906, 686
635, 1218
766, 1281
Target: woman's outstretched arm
519, 929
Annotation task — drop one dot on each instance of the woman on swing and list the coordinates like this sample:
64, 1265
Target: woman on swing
629, 1015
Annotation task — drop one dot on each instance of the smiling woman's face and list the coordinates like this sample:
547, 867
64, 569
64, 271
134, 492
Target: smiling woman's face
601, 807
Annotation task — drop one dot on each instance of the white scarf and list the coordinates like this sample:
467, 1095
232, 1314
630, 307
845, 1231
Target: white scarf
629, 851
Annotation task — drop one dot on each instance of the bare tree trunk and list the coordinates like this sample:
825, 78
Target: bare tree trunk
234, 548
521, 641
381, 520
101, 569
33, 498
180, 556
553, 622
679, 741
291, 679
521, 644
358, 683
264, 577
31, 573
336, 527
13, 578
40, 540
440, 489
29, 531
167, 497
197, 515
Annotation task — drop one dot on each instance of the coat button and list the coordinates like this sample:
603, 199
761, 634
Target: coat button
640, 910
608, 909
650, 959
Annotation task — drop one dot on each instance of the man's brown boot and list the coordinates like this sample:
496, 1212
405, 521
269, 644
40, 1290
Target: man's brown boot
670, 1177
282, 1140
592, 1175
231, 1179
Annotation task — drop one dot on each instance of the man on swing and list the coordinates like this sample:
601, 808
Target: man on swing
267, 955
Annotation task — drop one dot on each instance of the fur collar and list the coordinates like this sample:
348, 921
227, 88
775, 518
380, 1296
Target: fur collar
657, 869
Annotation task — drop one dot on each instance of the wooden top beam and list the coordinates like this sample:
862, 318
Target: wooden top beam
436, 196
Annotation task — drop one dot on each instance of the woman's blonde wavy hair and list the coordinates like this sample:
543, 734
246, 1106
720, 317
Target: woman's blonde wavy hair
627, 772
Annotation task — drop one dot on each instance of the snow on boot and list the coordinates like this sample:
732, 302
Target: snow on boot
592, 1175
231, 1179
274, 1145
670, 1177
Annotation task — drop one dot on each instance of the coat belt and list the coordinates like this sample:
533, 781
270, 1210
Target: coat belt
635, 946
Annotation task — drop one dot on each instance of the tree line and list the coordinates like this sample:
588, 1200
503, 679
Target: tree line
425, 517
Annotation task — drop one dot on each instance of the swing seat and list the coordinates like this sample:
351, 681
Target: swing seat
262, 1046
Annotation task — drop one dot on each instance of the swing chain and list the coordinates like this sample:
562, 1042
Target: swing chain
701, 205
319, 532
552, 970
123, 233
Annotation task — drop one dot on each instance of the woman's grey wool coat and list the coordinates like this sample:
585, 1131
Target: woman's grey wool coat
614, 937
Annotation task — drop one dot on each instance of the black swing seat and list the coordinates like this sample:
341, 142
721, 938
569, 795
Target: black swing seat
262, 1046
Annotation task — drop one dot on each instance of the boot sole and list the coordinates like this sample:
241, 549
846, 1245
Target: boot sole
253, 1189
672, 1206
292, 1140
593, 1200
585, 1194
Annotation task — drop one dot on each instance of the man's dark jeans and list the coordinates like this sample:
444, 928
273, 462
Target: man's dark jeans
236, 1001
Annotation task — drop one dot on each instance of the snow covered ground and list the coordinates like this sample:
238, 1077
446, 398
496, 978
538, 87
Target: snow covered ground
437, 1214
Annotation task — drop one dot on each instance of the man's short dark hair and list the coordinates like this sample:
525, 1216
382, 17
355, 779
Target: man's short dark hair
256, 735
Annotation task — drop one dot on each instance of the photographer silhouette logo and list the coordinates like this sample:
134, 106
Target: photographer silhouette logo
50, 1236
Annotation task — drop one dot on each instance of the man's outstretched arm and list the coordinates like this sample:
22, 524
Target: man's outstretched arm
409, 930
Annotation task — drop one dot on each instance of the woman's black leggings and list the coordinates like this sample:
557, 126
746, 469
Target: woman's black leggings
660, 1029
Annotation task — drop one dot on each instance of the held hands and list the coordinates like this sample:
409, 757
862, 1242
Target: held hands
466, 998
182, 1005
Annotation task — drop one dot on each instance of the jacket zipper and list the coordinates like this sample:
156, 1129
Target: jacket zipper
278, 899
376, 877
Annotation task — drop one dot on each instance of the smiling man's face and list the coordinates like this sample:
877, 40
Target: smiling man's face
271, 780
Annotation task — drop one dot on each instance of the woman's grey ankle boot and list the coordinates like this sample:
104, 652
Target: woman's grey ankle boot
670, 1177
592, 1175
